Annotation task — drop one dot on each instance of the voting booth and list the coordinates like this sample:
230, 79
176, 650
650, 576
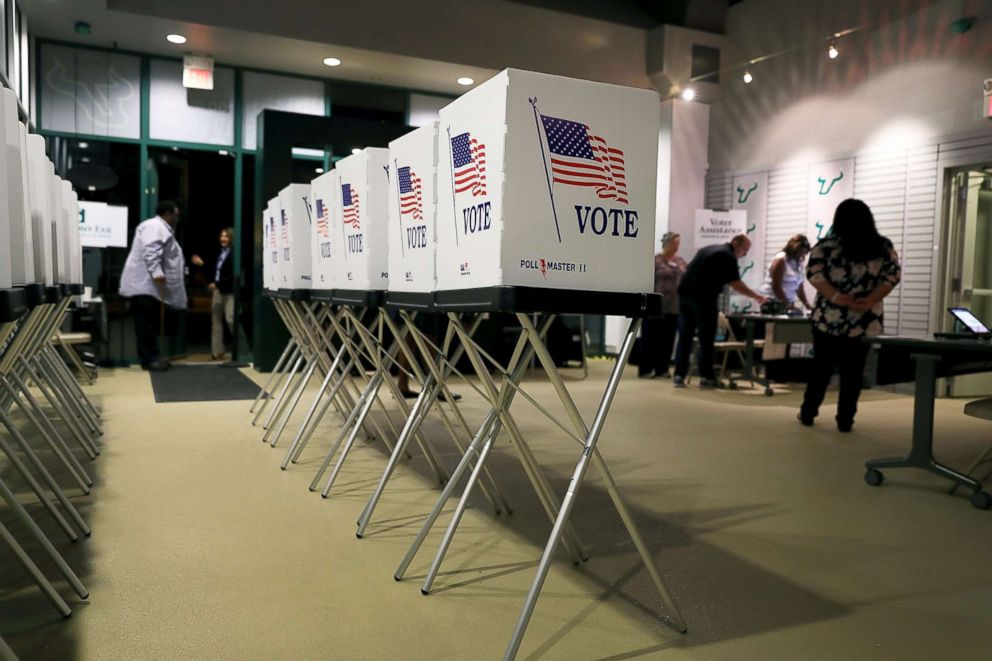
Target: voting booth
359, 242
40, 176
412, 207
6, 277
324, 198
545, 181
14, 188
270, 246
294, 236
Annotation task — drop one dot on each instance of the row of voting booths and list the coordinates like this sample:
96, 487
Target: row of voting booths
532, 195
49, 429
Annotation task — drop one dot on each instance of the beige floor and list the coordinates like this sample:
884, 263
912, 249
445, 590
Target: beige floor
772, 543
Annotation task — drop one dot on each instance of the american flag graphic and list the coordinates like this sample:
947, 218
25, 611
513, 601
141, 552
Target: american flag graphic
411, 198
285, 226
349, 205
323, 226
580, 158
468, 157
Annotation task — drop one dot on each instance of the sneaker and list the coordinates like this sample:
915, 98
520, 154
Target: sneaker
709, 383
678, 381
807, 421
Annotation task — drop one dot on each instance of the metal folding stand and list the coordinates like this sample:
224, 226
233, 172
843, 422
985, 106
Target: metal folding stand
337, 384
524, 301
12, 310
368, 342
21, 343
305, 320
433, 394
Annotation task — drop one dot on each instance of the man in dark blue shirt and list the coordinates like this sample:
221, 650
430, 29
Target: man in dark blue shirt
712, 269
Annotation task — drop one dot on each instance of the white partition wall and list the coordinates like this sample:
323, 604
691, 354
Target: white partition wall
324, 201
40, 175
546, 181
6, 277
65, 221
13, 189
60, 249
360, 244
75, 245
412, 207
294, 236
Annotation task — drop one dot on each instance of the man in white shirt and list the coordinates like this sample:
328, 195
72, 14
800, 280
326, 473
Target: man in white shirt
153, 276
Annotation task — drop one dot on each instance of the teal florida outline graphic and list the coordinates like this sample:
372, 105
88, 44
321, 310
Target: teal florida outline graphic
823, 182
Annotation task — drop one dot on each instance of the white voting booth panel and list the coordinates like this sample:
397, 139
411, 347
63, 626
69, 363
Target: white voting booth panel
40, 179
547, 181
294, 236
14, 189
412, 208
6, 275
360, 247
270, 263
324, 196
75, 244
60, 238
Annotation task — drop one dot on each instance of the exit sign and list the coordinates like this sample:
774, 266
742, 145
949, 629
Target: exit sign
198, 72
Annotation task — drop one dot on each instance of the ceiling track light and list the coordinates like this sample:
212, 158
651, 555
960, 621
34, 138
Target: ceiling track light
832, 51
748, 77
688, 94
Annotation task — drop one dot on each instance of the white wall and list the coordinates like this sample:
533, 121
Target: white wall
689, 163
903, 80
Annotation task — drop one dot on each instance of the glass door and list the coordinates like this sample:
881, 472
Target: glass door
970, 261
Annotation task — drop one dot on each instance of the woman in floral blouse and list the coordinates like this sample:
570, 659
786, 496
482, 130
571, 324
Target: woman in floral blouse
852, 270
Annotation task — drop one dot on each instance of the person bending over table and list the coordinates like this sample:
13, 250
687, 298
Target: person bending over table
713, 268
658, 333
853, 269
784, 277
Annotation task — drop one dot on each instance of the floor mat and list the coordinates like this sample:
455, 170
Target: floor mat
202, 383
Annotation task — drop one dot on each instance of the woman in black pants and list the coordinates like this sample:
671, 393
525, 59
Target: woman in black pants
852, 270
658, 333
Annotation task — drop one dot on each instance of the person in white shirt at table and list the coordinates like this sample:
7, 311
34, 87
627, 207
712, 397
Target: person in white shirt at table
785, 276
153, 278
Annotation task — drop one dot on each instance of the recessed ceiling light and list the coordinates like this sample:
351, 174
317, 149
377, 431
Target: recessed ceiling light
465, 80
176, 39
85, 159
688, 94
356, 150
84, 145
748, 77
91, 188
175, 149
319, 170
222, 152
332, 61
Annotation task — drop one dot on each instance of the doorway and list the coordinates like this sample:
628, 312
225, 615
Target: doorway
201, 182
968, 274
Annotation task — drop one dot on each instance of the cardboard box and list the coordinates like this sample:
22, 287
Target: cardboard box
360, 247
547, 181
325, 194
294, 236
412, 210
270, 245
13, 187
41, 175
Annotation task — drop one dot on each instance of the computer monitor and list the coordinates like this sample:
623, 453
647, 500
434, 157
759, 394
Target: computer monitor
970, 321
